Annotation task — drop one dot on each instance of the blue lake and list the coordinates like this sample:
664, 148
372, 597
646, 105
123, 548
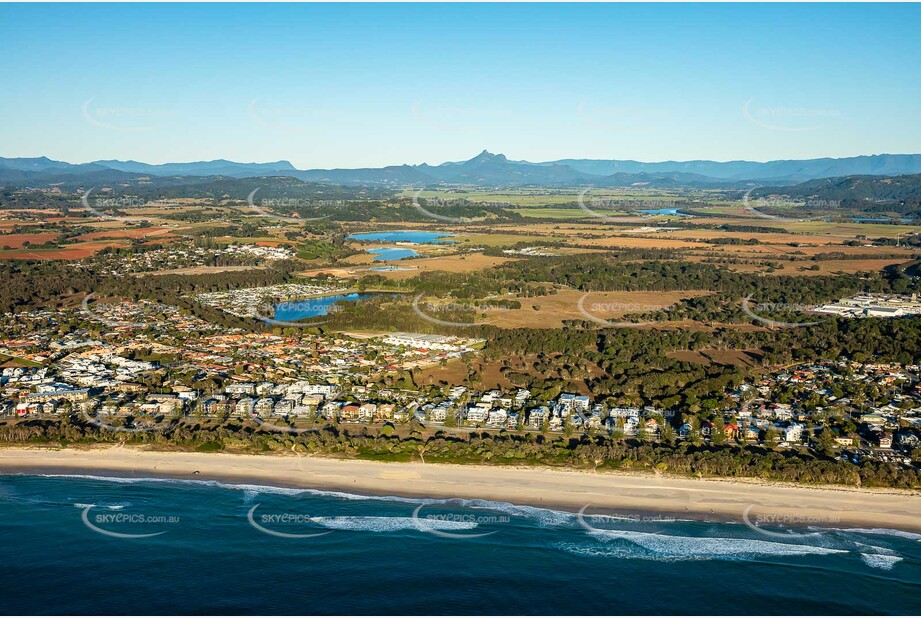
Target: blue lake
294, 310
664, 211
879, 220
415, 237
385, 254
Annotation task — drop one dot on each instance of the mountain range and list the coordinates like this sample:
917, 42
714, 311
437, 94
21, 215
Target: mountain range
868, 194
486, 169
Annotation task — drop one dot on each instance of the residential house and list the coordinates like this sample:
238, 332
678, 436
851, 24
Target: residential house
537, 415
497, 418
349, 412
884, 439
457, 392
731, 430
285, 407
366, 412
843, 440
245, 407
478, 413
240, 388
264, 406
792, 433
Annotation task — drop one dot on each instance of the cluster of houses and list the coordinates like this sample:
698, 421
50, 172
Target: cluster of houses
262, 252
111, 365
868, 428
248, 302
265, 399
144, 359
130, 329
184, 255
126, 318
417, 341
888, 432
517, 410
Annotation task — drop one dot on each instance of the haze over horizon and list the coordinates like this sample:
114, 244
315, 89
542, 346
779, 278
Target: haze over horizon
458, 159
334, 87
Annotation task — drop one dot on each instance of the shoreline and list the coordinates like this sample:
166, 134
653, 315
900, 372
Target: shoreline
623, 494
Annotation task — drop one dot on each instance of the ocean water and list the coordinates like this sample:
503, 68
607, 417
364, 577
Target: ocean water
84, 544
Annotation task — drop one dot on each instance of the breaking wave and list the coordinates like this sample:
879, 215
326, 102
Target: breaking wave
880, 561
621, 543
674, 546
389, 524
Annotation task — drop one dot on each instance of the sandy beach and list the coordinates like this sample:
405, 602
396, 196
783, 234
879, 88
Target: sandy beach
720, 500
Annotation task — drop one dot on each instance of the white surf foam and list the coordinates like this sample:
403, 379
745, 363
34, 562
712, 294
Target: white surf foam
621, 552
543, 516
914, 536
874, 549
880, 561
111, 507
709, 547
389, 524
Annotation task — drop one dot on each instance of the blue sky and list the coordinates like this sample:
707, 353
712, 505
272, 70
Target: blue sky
368, 85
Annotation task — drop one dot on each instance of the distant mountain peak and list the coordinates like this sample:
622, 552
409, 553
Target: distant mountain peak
487, 157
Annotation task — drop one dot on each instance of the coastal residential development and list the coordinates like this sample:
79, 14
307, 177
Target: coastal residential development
152, 362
